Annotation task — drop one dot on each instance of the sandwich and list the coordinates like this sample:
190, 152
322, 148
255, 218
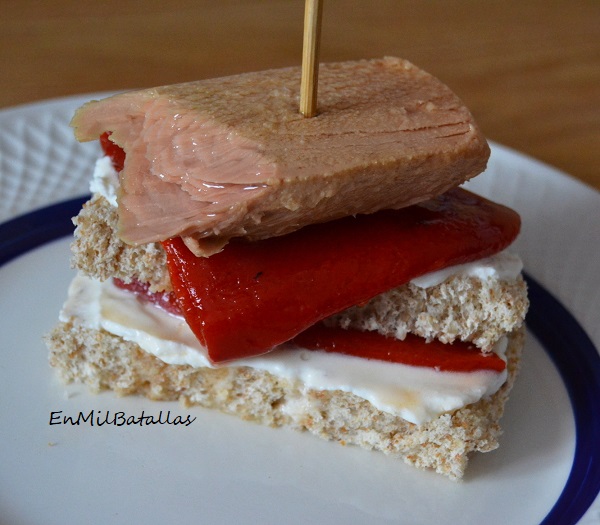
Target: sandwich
326, 274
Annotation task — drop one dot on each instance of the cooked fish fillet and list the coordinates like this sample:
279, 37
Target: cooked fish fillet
219, 158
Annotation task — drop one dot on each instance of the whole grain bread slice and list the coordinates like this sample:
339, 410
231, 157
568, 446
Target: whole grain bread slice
104, 361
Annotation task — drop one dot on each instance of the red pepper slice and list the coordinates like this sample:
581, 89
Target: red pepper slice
253, 296
164, 300
110, 149
415, 351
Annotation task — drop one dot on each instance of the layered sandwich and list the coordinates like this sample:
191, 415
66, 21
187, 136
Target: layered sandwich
324, 273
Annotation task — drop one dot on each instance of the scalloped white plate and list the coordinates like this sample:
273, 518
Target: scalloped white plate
222, 470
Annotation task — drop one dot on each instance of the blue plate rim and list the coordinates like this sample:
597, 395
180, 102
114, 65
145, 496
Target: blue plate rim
549, 320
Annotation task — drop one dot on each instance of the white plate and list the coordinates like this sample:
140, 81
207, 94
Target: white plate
223, 470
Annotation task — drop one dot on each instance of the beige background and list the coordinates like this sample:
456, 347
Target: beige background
529, 70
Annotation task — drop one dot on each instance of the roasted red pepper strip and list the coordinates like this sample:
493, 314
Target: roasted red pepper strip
253, 296
116, 153
414, 351
165, 300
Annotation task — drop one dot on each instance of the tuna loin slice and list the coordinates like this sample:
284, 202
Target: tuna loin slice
233, 157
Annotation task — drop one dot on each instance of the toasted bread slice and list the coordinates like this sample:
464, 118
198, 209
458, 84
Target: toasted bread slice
104, 361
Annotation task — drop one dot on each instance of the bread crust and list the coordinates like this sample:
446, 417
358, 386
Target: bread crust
99, 253
104, 361
461, 308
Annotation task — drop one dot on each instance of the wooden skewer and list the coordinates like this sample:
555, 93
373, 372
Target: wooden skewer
313, 10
